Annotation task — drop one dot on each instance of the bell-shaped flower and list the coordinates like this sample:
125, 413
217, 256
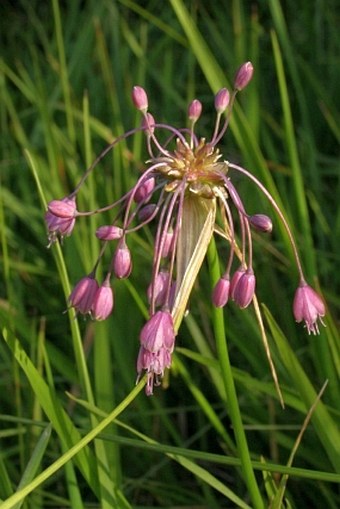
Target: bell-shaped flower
83, 294
309, 307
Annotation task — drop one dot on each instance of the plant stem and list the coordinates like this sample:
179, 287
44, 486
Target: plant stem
228, 380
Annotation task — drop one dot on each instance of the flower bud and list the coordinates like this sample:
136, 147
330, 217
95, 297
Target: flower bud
243, 76
158, 288
140, 99
144, 191
234, 281
221, 292
103, 301
195, 110
109, 232
261, 222
122, 263
222, 100
245, 289
146, 212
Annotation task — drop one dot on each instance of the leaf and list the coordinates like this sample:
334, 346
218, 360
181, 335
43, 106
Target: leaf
197, 228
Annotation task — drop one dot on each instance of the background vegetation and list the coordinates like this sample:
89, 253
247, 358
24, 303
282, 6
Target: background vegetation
72, 433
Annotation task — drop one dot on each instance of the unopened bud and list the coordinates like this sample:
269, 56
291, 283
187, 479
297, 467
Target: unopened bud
261, 222
139, 98
243, 76
194, 110
109, 232
148, 124
222, 100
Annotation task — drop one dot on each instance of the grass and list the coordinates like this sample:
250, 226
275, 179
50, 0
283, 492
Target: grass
75, 431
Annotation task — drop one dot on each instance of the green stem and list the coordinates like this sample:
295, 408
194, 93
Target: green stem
228, 380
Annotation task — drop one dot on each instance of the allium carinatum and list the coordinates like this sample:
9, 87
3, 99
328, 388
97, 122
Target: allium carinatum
187, 191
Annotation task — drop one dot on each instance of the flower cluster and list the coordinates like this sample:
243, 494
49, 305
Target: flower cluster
186, 188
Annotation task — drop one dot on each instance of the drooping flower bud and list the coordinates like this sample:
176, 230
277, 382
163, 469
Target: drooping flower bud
194, 110
146, 212
83, 294
308, 307
168, 243
144, 191
220, 293
245, 289
103, 301
122, 262
243, 76
235, 279
109, 232
261, 222
222, 100
140, 99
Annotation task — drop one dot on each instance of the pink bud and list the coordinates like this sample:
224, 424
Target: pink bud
221, 292
234, 281
122, 263
245, 289
194, 110
140, 99
146, 212
103, 301
83, 294
243, 76
261, 222
109, 232
222, 100
144, 190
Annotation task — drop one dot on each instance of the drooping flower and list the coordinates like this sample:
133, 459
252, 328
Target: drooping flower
83, 294
188, 192
308, 307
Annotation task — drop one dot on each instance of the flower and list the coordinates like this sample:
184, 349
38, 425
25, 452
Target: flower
60, 218
188, 191
157, 339
308, 307
83, 294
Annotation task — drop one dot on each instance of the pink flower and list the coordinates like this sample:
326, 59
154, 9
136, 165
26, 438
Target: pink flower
83, 294
103, 301
158, 332
195, 110
308, 307
63, 223
157, 339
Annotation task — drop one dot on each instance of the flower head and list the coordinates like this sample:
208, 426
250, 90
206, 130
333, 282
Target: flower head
187, 191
